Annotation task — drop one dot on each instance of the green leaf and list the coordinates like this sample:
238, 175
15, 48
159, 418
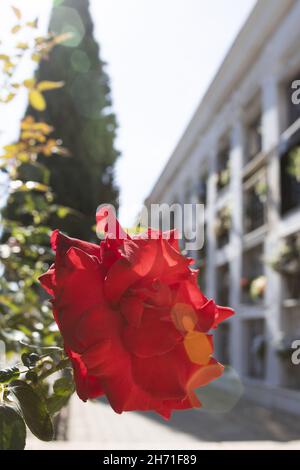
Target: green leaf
33, 409
56, 402
62, 212
12, 429
9, 374
63, 389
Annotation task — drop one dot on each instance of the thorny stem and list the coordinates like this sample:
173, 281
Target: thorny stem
61, 365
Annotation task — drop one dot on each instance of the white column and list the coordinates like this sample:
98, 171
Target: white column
270, 113
237, 343
210, 239
271, 133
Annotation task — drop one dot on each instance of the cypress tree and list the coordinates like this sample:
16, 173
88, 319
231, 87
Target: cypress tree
81, 115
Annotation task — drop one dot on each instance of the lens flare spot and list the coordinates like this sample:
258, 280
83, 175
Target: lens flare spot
205, 375
184, 317
188, 323
198, 347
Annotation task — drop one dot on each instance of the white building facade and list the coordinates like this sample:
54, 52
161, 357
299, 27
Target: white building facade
238, 156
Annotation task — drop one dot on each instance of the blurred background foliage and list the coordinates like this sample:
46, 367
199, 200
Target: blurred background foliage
81, 117
57, 172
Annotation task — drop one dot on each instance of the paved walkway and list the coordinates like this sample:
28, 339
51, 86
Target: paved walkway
94, 425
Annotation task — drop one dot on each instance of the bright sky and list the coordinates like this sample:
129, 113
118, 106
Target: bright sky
161, 55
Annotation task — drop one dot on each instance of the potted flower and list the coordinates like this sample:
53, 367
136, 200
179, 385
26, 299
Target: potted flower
287, 260
294, 163
287, 263
253, 288
223, 177
257, 288
223, 225
261, 189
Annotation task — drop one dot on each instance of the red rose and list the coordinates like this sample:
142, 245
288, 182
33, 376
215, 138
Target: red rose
133, 320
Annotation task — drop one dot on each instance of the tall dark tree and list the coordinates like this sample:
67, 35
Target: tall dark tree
81, 114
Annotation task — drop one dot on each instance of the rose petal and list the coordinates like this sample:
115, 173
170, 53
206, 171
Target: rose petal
206, 316
164, 376
153, 338
80, 276
61, 243
222, 314
132, 308
87, 386
47, 280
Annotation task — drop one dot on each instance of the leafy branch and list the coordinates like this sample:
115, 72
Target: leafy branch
26, 322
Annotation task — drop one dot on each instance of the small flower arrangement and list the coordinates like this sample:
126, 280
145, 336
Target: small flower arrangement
261, 189
258, 287
255, 287
223, 177
223, 225
287, 260
294, 163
